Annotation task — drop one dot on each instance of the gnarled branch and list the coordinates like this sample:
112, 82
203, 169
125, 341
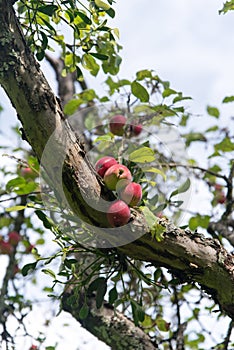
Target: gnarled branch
189, 255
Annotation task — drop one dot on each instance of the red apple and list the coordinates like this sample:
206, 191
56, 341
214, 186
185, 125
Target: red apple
28, 173
6, 248
14, 238
218, 187
117, 123
135, 129
103, 164
115, 174
118, 214
221, 198
131, 194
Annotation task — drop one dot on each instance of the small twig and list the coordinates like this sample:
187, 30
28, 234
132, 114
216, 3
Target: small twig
228, 336
181, 326
195, 167
229, 196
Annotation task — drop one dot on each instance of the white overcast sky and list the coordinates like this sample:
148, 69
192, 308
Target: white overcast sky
186, 42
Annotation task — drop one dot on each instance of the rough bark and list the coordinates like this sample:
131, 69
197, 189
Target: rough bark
109, 325
189, 255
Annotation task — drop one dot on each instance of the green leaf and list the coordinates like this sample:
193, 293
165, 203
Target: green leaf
116, 32
29, 187
212, 128
160, 208
102, 5
199, 221
157, 232
16, 208
142, 74
228, 6
94, 285
44, 42
88, 95
162, 325
70, 262
107, 138
180, 97
84, 311
113, 295
29, 267
112, 64
137, 312
85, 18
111, 12
213, 111
99, 56
101, 291
50, 273
90, 64
15, 183
47, 222
228, 99
183, 188
154, 200
168, 92
48, 9
72, 106
157, 274
142, 155
139, 91
154, 170
150, 218
194, 137
69, 59
225, 146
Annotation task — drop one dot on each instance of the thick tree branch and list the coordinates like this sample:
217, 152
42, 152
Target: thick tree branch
190, 256
109, 325
112, 327
66, 87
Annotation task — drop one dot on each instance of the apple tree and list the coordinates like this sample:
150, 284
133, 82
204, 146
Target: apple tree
97, 193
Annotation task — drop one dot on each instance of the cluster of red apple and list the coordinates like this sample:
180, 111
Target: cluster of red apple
117, 177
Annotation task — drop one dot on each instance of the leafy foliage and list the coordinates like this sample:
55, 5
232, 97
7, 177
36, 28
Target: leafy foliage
85, 22
149, 295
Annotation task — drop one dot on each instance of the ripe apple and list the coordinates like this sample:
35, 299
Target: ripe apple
221, 198
131, 194
117, 123
115, 174
28, 173
218, 187
103, 164
6, 248
135, 129
14, 238
118, 214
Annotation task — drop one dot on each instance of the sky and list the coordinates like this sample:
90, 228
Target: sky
185, 42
